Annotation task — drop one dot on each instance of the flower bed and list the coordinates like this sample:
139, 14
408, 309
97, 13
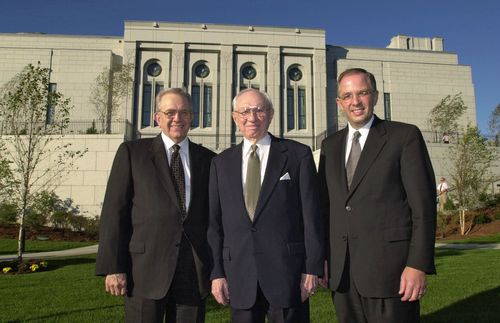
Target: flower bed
26, 266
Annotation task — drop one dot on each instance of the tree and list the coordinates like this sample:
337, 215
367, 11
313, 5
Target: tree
469, 166
494, 122
34, 119
444, 116
6, 178
110, 88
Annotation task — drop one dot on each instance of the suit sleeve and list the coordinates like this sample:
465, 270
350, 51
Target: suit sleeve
115, 224
418, 181
311, 212
215, 232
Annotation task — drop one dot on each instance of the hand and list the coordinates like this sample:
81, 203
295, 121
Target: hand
323, 281
220, 291
308, 285
413, 284
116, 284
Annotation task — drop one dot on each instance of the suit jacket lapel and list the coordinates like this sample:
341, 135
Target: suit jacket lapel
275, 164
195, 162
160, 162
232, 169
373, 145
341, 158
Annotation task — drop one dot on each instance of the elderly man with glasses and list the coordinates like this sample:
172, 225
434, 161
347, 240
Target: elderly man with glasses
265, 226
153, 246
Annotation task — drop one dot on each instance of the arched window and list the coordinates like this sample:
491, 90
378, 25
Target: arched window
295, 100
248, 75
201, 92
151, 86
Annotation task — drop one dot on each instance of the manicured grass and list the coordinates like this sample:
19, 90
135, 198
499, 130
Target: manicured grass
466, 289
9, 246
495, 238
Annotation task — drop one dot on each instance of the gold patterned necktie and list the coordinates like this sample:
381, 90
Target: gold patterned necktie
252, 182
353, 159
177, 171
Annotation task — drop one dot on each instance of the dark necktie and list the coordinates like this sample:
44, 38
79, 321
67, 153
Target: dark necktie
252, 182
353, 159
178, 176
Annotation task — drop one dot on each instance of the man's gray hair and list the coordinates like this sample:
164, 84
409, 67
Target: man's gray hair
174, 90
267, 99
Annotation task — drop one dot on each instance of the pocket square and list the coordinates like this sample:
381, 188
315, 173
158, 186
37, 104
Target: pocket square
285, 177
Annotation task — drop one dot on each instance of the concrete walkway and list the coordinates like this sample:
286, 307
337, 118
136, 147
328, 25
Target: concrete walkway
51, 254
466, 246
93, 249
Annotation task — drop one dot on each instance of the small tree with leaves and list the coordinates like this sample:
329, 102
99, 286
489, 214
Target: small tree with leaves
107, 93
34, 120
494, 122
469, 162
6, 178
443, 118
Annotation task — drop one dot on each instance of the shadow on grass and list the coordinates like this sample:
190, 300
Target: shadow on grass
448, 252
54, 317
57, 263
481, 308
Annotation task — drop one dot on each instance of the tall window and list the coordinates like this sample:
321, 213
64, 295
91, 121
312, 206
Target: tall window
150, 88
295, 101
248, 74
201, 93
387, 106
49, 118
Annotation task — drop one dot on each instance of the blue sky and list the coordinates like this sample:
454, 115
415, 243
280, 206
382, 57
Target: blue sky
469, 28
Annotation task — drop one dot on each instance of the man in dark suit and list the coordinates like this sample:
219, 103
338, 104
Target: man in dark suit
377, 187
265, 223
152, 241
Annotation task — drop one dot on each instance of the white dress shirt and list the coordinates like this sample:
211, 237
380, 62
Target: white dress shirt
184, 153
362, 139
263, 152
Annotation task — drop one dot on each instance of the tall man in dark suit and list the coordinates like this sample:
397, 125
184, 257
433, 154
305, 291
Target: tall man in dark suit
152, 242
265, 224
377, 187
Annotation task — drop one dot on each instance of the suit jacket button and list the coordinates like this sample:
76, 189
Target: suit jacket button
344, 238
178, 245
253, 229
348, 208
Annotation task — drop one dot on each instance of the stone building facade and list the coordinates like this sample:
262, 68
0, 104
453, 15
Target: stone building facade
213, 62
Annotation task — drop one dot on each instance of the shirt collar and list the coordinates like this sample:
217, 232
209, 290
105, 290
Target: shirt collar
264, 141
364, 130
184, 144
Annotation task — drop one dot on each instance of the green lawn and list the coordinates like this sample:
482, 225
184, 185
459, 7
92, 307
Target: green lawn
466, 289
9, 246
495, 238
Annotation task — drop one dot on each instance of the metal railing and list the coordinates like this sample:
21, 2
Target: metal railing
125, 127
119, 126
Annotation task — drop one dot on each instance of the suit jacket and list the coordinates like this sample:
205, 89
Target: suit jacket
286, 237
141, 224
388, 218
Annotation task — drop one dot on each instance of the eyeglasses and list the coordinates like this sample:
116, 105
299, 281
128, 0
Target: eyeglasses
361, 94
172, 113
260, 112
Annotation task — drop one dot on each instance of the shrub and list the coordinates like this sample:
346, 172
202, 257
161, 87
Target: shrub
449, 206
34, 219
48, 208
92, 130
8, 214
489, 200
92, 226
482, 219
